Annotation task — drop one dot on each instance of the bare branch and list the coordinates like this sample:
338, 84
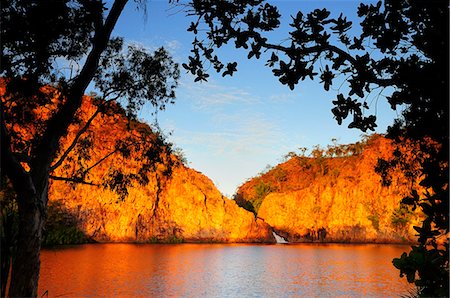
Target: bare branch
75, 140
74, 179
106, 157
100, 161
81, 181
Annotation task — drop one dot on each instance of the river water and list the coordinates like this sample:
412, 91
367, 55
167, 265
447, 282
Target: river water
221, 270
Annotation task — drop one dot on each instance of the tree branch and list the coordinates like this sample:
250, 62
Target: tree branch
75, 180
58, 125
332, 48
100, 161
106, 157
75, 140
81, 181
21, 180
22, 157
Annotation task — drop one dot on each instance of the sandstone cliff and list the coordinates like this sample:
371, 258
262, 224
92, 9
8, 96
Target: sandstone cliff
180, 205
335, 196
190, 209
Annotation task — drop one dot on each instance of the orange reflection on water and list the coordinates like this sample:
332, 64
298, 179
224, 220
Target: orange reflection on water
216, 270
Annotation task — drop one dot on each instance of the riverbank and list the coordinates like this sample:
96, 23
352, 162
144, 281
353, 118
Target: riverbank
70, 235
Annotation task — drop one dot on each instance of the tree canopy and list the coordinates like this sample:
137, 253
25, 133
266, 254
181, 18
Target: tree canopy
401, 46
51, 52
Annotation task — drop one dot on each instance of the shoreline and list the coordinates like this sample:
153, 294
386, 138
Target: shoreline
231, 243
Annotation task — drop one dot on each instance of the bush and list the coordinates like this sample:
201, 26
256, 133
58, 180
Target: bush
61, 227
401, 217
375, 219
261, 191
63, 235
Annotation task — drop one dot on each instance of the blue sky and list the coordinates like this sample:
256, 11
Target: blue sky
231, 128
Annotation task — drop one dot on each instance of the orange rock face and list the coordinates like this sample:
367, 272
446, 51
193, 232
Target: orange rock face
335, 199
185, 207
190, 209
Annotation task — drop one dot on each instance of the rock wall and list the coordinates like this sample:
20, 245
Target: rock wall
335, 199
183, 206
190, 209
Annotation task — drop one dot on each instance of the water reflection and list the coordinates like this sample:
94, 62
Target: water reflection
222, 270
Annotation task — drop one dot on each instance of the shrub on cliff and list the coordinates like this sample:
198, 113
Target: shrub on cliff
341, 194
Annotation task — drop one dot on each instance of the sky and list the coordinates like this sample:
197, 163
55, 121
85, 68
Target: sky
231, 128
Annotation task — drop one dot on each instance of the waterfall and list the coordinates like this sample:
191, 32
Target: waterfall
278, 238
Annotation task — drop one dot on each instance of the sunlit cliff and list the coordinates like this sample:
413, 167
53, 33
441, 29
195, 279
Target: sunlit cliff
180, 205
334, 195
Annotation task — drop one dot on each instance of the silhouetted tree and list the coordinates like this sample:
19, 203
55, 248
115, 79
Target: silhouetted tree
402, 46
51, 51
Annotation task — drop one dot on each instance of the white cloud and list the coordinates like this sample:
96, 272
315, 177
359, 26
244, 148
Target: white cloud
241, 132
210, 96
283, 98
172, 45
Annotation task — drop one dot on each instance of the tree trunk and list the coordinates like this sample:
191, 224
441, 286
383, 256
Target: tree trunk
26, 264
32, 189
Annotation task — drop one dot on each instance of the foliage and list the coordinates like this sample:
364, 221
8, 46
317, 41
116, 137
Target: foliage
35, 34
401, 49
179, 153
337, 150
261, 191
61, 227
51, 52
60, 235
280, 176
136, 76
432, 251
375, 220
401, 217
174, 239
70, 31
423, 261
